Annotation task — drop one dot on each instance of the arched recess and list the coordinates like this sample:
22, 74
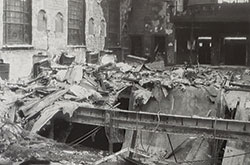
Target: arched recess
91, 26
103, 28
42, 21
59, 23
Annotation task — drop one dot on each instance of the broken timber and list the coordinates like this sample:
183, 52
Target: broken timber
165, 123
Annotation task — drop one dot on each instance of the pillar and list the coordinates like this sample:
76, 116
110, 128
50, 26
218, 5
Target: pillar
148, 48
170, 58
215, 50
248, 51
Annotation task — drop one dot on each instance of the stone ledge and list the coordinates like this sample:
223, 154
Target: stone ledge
76, 46
17, 47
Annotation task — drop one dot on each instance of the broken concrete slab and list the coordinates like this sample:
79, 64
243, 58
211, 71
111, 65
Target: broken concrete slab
74, 74
82, 92
66, 107
178, 90
41, 104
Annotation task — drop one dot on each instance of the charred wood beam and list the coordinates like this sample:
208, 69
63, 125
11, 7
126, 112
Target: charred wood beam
165, 123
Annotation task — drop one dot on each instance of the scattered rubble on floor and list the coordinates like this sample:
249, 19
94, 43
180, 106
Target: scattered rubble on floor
31, 104
19, 145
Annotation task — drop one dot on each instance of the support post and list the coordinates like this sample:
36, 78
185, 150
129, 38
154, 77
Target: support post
111, 147
248, 51
52, 130
133, 143
216, 50
131, 108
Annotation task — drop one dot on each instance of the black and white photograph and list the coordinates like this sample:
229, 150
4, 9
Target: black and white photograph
124, 82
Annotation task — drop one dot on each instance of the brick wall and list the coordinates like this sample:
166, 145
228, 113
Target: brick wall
21, 60
94, 10
55, 40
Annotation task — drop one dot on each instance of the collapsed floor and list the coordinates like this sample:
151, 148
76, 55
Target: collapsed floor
45, 103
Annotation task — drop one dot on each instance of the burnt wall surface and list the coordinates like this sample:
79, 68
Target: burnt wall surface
217, 21
214, 12
148, 19
19, 56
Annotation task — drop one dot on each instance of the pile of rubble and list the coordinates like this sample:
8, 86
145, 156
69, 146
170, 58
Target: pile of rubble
23, 147
99, 86
30, 104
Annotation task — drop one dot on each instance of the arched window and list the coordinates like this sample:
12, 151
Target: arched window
17, 21
42, 21
91, 26
103, 28
125, 29
59, 23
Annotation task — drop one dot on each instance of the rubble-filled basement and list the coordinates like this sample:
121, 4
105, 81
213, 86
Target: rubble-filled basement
120, 82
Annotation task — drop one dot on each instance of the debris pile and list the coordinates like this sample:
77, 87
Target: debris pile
19, 145
54, 88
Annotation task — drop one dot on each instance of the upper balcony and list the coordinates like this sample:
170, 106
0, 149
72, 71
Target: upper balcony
215, 11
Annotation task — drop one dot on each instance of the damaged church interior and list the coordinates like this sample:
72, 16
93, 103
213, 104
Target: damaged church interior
125, 82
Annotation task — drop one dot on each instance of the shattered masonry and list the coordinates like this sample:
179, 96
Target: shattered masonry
97, 81
59, 91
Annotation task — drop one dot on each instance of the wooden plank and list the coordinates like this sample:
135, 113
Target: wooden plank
43, 103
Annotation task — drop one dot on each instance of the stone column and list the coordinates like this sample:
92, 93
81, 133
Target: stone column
148, 48
170, 45
248, 51
170, 54
215, 50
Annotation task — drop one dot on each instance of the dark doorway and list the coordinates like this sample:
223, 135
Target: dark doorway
159, 45
204, 51
235, 52
136, 45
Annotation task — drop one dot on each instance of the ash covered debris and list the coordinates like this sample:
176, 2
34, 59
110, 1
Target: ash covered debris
33, 105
